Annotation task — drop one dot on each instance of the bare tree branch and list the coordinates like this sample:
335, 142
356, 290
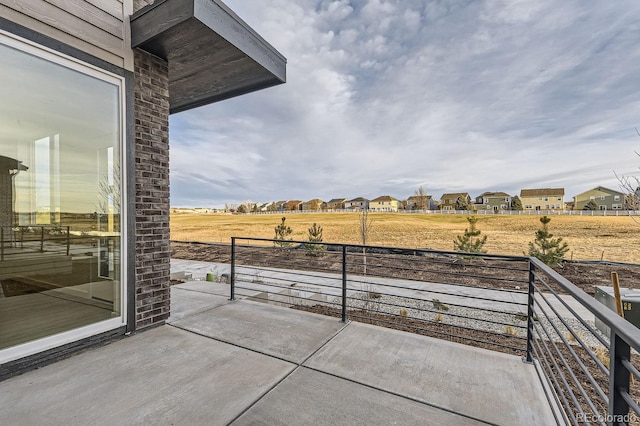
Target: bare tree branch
630, 186
364, 226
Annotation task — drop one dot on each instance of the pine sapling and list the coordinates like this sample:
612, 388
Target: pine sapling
470, 241
315, 236
282, 232
549, 250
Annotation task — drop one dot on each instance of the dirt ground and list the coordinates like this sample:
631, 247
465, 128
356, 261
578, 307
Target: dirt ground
585, 275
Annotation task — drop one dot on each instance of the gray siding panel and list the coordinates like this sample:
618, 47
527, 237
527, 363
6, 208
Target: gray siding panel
112, 7
86, 25
92, 15
54, 33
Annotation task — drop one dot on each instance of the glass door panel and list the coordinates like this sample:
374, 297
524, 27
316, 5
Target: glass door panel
60, 195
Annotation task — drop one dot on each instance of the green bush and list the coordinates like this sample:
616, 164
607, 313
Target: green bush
282, 232
315, 236
470, 241
549, 250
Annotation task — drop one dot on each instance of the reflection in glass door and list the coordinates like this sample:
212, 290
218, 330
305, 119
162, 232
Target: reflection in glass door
60, 196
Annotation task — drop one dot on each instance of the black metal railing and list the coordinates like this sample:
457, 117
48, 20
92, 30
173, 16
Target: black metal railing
590, 371
510, 304
34, 238
474, 299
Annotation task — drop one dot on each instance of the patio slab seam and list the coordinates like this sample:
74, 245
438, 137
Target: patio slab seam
389, 392
171, 320
199, 291
298, 366
228, 342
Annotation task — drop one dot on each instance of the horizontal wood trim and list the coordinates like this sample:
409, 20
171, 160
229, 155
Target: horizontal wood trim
63, 21
63, 37
92, 15
112, 7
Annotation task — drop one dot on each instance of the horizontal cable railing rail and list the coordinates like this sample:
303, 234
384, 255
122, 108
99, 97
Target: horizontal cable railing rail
392, 287
31, 241
590, 371
34, 238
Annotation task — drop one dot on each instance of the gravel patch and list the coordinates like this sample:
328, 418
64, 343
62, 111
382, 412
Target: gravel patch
474, 318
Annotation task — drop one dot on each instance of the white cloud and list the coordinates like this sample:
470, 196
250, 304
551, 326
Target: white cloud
385, 96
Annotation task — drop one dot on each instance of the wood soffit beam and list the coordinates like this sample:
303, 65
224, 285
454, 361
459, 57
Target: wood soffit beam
211, 53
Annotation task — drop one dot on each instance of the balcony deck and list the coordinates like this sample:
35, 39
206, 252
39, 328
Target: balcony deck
242, 362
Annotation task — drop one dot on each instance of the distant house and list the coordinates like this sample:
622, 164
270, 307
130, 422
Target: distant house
267, 207
493, 201
542, 199
315, 204
450, 200
359, 203
385, 203
603, 198
280, 205
293, 205
336, 204
420, 202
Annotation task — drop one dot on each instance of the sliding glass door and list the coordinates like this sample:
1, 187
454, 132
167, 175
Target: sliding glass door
61, 135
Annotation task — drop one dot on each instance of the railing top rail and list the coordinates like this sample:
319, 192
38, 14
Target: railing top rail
629, 332
391, 248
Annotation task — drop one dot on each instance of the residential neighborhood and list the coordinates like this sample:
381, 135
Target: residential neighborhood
528, 200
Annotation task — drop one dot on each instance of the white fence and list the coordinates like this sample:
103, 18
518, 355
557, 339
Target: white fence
478, 212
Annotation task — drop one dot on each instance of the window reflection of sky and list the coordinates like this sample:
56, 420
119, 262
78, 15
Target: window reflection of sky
44, 100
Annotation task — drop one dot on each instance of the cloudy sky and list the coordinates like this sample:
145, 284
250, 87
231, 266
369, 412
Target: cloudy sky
385, 96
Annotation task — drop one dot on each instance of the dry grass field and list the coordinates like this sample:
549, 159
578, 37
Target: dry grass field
615, 239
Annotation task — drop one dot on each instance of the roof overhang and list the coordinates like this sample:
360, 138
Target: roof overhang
211, 53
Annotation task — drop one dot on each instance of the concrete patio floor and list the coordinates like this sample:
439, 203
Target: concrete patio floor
219, 362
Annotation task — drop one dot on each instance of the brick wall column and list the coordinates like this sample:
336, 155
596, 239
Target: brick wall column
151, 176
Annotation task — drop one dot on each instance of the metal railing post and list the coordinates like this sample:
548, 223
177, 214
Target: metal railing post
618, 379
68, 239
42, 239
232, 279
1, 243
530, 313
344, 283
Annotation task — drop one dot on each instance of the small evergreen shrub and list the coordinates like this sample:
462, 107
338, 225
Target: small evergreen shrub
549, 250
315, 236
282, 232
470, 241
437, 304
